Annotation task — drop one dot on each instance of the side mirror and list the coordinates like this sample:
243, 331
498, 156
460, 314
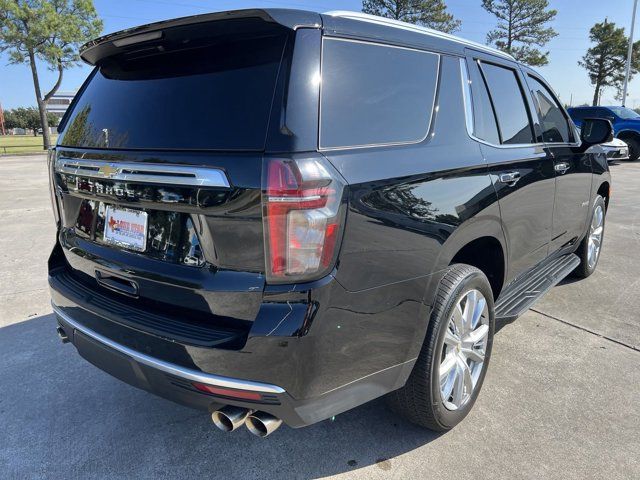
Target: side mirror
596, 130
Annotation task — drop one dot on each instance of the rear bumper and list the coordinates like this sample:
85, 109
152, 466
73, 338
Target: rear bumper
174, 382
332, 351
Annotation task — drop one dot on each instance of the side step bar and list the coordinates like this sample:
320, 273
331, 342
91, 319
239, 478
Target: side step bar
518, 297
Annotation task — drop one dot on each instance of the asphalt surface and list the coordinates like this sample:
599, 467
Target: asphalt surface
561, 398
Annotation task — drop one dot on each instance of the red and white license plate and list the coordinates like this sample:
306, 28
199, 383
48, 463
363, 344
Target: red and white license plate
126, 228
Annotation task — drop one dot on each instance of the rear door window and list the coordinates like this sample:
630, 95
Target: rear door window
554, 123
484, 120
509, 104
210, 94
375, 94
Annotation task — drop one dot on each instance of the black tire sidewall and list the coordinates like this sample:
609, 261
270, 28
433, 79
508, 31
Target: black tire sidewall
634, 149
449, 418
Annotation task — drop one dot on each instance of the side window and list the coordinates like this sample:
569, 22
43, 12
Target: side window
509, 104
555, 128
484, 120
374, 94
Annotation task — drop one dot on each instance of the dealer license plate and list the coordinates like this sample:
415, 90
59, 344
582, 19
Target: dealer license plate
126, 228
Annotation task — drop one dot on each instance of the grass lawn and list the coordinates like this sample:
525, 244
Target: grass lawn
10, 144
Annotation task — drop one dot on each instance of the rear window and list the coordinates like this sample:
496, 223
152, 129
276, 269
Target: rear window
375, 94
211, 94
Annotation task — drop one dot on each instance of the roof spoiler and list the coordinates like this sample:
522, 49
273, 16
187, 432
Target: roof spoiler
95, 50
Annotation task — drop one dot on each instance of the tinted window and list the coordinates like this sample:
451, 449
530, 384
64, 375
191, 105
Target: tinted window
511, 110
484, 121
212, 94
553, 122
374, 94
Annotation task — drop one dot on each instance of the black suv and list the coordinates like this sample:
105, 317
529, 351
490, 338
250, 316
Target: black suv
278, 215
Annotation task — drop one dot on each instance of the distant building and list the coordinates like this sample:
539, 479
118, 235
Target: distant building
59, 103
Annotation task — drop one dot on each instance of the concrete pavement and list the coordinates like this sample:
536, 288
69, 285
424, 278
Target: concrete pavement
560, 399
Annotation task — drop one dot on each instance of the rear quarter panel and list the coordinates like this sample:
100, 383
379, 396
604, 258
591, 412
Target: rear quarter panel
411, 209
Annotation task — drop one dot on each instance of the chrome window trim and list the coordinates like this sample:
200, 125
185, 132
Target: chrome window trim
466, 96
170, 368
143, 172
464, 75
387, 144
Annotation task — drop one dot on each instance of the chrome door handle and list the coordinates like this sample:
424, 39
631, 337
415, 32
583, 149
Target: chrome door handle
510, 178
561, 167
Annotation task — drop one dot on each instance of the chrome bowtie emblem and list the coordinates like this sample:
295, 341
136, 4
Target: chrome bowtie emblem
108, 170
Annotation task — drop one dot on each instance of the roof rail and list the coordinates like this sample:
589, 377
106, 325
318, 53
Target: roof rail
388, 22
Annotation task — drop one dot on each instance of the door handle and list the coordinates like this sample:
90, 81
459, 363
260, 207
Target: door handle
510, 178
561, 167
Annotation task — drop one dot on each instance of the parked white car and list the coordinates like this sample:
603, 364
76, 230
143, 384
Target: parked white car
616, 149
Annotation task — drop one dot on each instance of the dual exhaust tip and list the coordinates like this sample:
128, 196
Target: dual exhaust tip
260, 424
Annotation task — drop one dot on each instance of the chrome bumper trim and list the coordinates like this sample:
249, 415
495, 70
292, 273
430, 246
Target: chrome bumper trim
170, 368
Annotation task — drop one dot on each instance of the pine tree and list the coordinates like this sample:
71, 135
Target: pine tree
50, 31
428, 13
521, 27
605, 62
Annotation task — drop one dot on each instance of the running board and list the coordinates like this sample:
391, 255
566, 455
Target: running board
518, 297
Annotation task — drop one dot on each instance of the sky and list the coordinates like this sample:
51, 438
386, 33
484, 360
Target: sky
573, 21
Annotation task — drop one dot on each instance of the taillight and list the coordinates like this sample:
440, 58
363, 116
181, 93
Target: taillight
51, 157
303, 215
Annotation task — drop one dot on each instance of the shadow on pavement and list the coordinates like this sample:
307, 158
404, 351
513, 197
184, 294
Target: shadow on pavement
64, 418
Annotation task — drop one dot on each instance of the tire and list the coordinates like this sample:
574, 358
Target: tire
634, 148
420, 401
587, 264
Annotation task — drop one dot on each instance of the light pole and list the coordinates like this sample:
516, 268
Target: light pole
629, 52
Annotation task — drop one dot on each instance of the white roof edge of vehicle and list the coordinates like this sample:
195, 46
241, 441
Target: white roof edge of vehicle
365, 17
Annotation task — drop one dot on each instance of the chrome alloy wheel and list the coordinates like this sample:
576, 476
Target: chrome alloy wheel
463, 351
595, 236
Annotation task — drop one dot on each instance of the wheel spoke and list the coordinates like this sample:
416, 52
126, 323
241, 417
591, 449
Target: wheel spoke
469, 309
457, 319
448, 375
447, 365
481, 303
473, 354
600, 216
476, 336
467, 379
450, 338
458, 388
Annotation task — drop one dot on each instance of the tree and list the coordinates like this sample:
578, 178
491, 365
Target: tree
50, 31
28, 118
429, 13
521, 25
605, 62
10, 120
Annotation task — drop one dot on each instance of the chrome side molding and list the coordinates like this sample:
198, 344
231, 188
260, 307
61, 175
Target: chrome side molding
144, 172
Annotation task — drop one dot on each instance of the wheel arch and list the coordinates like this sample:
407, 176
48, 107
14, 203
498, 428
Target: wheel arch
628, 133
604, 190
481, 244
